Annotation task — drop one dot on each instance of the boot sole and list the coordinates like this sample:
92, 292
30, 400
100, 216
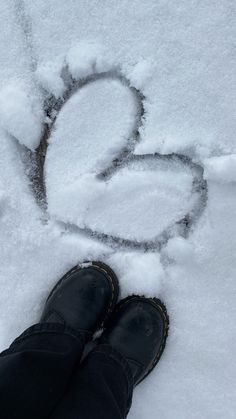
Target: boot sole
160, 306
111, 276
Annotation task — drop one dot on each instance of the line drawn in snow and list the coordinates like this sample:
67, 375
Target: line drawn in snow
25, 23
52, 108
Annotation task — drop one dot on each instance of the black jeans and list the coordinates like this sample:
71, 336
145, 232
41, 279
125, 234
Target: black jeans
41, 376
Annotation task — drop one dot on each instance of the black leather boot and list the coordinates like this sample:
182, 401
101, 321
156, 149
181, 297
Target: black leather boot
138, 330
83, 299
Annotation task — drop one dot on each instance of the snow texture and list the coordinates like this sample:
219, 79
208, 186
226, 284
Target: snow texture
48, 74
87, 58
88, 202
181, 56
221, 169
20, 115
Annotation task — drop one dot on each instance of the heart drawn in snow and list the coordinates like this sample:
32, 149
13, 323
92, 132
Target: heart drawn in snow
88, 177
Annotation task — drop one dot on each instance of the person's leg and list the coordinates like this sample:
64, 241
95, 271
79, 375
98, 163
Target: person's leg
36, 369
101, 388
128, 350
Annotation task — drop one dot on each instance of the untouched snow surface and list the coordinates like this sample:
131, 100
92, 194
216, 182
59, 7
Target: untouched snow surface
181, 56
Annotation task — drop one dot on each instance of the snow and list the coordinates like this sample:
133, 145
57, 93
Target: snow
132, 270
93, 143
88, 148
20, 115
179, 250
180, 55
133, 204
221, 168
48, 75
86, 58
139, 74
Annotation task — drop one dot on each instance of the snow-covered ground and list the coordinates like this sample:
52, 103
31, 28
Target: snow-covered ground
180, 55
